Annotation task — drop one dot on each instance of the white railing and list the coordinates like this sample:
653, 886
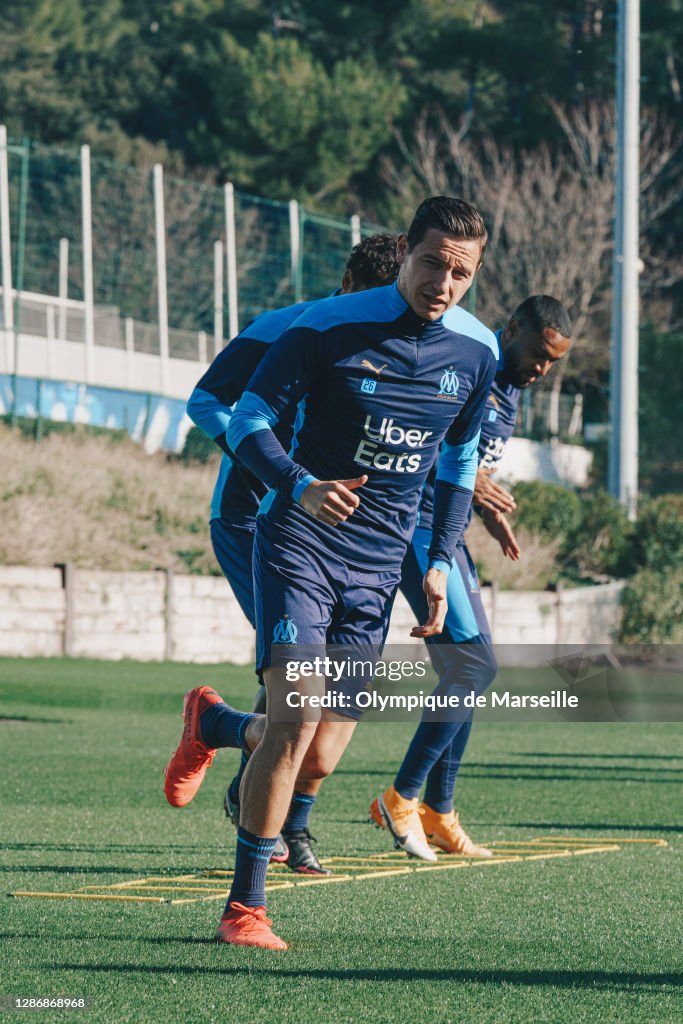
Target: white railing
62, 319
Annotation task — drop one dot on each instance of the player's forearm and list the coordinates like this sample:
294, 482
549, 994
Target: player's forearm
252, 440
210, 415
455, 476
451, 509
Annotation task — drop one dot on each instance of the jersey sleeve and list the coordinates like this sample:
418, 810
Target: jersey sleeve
282, 379
210, 404
456, 474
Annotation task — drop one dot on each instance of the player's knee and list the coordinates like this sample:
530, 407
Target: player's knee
290, 740
320, 761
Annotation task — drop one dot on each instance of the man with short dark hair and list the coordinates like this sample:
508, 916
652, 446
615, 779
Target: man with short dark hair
380, 379
536, 337
234, 508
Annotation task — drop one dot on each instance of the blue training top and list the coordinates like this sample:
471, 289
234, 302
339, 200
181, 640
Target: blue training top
498, 424
378, 390
238, 493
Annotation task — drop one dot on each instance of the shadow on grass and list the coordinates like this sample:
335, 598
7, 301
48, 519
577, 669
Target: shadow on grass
565, 772
157, 850
527, 773
602, 757
551, 979
572, 826
606, 769
93, 869
35, 721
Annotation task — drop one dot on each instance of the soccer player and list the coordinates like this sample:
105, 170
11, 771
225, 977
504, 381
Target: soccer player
536, 337
380, 379
238, 493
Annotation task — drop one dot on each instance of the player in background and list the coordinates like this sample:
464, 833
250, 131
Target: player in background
536, 337
380, 379
234, 507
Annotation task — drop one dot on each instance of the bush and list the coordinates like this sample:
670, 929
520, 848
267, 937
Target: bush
548, 510
198, 447
602, 543
652, 604
659, 534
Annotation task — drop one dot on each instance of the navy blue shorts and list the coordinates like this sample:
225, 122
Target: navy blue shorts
312, 602
233, 547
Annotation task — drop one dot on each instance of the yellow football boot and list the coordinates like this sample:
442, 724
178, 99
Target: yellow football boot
400, 817
446, 832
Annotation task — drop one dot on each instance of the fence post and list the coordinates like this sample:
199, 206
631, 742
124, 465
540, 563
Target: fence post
68, 583
559, 624
472, 298
494, 602
201, 347
19, 279
217, 298
88, 288
162, 293
50, 341
63, 286
6, 248
231, 260
295, 248
355, 230
130, 348
168, 616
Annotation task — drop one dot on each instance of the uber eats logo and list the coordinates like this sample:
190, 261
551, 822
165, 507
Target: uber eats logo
375, 448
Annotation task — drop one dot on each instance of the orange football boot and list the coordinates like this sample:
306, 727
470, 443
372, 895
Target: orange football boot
446, 832
186, 769
248, 926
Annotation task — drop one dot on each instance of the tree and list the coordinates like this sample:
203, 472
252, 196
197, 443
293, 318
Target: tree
549, 211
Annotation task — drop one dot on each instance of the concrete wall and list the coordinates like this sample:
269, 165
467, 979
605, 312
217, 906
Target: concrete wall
156, 616
32, 611
554, 462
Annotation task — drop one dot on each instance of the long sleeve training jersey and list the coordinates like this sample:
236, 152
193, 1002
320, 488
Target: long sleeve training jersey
377, 390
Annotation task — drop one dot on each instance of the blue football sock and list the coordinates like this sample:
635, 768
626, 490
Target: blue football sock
251, 863
234, 787
427, 746
441, 779
223, 726
299, 813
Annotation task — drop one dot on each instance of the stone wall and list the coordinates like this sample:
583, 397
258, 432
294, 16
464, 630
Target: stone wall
156, 616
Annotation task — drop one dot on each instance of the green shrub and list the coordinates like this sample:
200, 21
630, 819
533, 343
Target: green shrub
652, 603
198, 447
659, 533
603, 541
548, 510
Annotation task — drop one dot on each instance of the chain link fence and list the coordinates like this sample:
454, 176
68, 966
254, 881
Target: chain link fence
281, 256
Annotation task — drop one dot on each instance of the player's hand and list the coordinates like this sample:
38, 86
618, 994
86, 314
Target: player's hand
332, 501
500, 529
434, 586
488, 494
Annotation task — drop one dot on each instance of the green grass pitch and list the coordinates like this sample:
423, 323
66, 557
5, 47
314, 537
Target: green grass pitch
593, 938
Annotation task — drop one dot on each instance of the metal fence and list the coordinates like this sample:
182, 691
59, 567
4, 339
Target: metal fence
127, 258
146, 260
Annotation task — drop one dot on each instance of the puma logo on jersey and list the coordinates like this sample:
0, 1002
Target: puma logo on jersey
366, 362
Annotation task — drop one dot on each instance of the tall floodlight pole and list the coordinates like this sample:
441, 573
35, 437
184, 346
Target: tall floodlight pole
623, 451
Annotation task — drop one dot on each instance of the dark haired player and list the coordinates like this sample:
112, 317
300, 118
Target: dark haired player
536, 337
234, 507
380, 379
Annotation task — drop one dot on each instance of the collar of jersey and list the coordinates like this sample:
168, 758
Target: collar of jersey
401, 308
